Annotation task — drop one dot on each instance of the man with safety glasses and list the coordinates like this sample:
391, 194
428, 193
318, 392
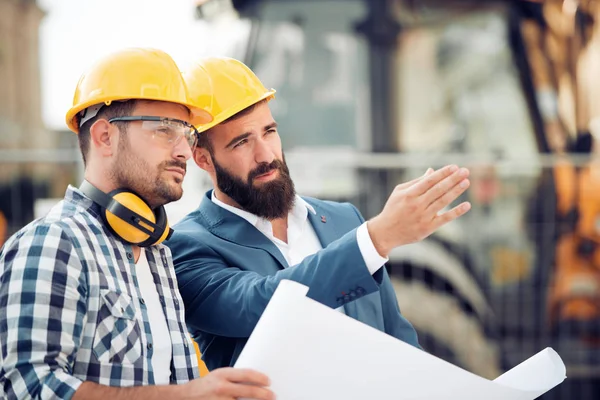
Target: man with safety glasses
89, 303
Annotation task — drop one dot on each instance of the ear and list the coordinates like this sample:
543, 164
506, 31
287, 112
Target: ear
203, 159
103, 138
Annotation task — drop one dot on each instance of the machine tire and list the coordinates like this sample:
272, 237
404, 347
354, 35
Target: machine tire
446, 305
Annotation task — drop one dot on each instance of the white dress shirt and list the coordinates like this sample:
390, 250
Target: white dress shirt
302, 238
162, 351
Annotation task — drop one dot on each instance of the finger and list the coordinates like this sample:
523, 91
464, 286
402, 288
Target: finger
240, 390
429, 181
408, 184
448, 197
451, 215
446, 185
412, 182
245, 375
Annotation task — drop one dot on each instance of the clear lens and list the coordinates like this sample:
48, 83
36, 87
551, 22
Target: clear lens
170, 132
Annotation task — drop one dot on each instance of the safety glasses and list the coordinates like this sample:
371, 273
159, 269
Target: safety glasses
167, 131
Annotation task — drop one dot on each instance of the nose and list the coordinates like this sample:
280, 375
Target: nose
263, 153
182, 150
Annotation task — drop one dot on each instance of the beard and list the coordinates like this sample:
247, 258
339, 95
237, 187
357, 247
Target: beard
134, 173
270, 200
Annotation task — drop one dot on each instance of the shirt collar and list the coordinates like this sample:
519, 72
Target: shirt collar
299, 211
76, 197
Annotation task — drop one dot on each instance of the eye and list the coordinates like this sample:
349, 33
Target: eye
240, 143
272, 130
165, 131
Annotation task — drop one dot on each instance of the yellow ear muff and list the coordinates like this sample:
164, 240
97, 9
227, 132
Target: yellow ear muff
129, 217
166, 233
124, 229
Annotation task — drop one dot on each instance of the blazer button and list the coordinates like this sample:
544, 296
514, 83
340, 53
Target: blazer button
149, 346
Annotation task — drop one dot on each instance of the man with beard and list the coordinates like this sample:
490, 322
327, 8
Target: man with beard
252, 230
89, 307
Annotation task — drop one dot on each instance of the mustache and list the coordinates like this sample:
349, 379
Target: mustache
176, 164
265, 168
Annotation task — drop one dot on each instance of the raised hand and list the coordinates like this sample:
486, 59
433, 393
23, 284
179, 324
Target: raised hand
414, 209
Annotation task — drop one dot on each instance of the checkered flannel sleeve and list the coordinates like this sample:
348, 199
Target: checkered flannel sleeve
42, 306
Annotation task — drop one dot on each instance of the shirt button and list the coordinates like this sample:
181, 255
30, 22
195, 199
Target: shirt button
129, 256
149, 346
142, 301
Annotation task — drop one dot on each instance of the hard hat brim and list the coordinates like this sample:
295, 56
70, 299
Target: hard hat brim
231, 111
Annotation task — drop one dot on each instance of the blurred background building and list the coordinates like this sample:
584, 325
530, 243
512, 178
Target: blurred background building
371, 93
22, 131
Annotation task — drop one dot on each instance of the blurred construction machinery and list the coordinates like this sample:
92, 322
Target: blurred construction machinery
386, 88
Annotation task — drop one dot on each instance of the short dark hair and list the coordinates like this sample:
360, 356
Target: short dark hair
205, 142
115, 109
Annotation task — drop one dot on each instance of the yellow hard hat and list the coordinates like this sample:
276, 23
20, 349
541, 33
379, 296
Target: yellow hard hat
223, 86
135, 73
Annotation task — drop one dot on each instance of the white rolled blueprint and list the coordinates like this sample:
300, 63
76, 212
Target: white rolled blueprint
312, 352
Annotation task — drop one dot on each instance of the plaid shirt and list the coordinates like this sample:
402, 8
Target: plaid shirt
71, 308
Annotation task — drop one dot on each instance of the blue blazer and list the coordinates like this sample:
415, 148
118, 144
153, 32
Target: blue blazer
227, 271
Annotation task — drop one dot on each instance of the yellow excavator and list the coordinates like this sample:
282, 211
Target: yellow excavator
562, 45
561, 42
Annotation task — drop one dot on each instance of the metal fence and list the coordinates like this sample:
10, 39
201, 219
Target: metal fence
518, 273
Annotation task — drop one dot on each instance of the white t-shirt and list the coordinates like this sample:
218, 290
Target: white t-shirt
161, 339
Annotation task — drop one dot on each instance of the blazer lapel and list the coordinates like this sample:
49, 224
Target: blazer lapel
325, 228
236, 229
322, 224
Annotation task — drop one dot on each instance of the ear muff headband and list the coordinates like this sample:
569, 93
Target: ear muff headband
129, 217
158, 235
